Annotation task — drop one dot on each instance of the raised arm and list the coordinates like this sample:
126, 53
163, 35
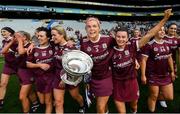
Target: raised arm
154, 30
5, 49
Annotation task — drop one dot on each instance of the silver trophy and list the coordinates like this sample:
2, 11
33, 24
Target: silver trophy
76, 65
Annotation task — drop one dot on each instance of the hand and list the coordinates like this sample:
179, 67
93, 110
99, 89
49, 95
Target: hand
44, 66
173, 76
167, 13
143, 80
137, 66
13, 40
30, 48
62, 84
18, 36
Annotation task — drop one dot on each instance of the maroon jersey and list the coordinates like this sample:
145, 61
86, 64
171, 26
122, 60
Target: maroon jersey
173, 43
123, 61
132, 40
158, 54
10, 57
100, 52
59, 51
21, 59
42, 55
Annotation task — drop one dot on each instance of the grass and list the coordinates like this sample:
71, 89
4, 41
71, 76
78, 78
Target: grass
13, 105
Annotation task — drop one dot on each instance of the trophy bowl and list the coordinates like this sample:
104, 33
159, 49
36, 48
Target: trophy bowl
76, 64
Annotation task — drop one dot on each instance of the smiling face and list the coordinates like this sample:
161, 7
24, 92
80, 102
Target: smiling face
121, 38
136, 33
172, 30
5, 33
42, 38
57, 37
92, 28
161, 33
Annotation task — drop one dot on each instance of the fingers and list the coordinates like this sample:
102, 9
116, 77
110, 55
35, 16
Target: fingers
62, 84
143, 82
168, 13
18, 35
173, 78
45, 66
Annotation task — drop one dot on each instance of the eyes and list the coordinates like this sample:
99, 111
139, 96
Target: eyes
173, 28
92, 26
122, 37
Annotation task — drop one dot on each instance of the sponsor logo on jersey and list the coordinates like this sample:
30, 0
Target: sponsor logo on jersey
89, 49
155, 49
126, 52
104, 45
44, 53
50, 52
36, 54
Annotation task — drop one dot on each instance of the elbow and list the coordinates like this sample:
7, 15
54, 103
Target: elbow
20, 52
3, 52
28, 64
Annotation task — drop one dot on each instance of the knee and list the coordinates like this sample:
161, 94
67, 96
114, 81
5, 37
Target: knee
41, 101
59, 103
170, 98
153, 97
101, 108
3, 84
151, 110
134, 108
22, 97
75, 96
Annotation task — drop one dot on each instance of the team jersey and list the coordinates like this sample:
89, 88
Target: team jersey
158, 54
42, 55
10, 57
134, 39
21, 59
101, 53
59, 51
173, 43
123, 61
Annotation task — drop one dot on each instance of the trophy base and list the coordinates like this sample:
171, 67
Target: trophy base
64, 78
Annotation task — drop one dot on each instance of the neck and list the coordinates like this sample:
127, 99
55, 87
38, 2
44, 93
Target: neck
44, 45
171, 35
94, 39
62, 42
158, 39
121, 47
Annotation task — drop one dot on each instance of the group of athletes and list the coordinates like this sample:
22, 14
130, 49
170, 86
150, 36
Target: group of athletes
116, 60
